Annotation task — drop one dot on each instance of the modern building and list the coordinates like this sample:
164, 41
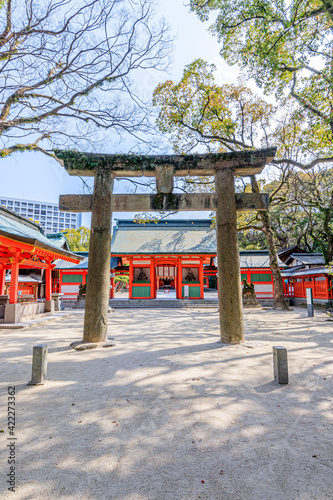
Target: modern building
46, 214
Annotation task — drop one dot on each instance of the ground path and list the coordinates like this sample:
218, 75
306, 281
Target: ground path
171, 414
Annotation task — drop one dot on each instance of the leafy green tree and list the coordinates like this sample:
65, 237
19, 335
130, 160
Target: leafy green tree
78, 239
312, 193
198, 113
286, 46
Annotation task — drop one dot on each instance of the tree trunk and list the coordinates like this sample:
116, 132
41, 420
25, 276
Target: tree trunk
279, 301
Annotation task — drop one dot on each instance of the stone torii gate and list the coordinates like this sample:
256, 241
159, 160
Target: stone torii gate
223, 166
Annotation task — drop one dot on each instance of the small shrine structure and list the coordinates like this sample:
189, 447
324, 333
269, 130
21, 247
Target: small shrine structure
223, 166
23, 245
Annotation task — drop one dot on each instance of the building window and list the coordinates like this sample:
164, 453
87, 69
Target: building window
43, 206
262, 277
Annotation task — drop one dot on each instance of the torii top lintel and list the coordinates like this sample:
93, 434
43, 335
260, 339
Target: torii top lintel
243, 163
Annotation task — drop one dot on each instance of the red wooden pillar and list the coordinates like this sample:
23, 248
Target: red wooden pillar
112, 286
201, 279
2, 280
130, 278
48, 282
14, 281
327, 293
179, 279
152, 279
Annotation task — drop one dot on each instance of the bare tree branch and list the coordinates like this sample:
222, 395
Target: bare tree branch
66, 66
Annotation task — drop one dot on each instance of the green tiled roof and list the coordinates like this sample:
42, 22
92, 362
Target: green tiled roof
165, 237
59, 240
190, 237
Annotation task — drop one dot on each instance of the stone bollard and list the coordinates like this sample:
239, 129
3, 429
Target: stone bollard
280, 362
309, 302
39, 364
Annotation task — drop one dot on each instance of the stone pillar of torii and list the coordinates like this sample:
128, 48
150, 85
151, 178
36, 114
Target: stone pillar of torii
223, 166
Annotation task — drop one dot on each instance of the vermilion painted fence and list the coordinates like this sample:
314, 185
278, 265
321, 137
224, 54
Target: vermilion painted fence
321, 287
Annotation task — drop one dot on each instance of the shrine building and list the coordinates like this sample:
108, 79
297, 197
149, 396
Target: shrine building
24, 247
175, 255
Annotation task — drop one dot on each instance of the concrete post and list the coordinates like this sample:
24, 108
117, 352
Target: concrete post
309, 302
39, 364
280, 362
229, 282
98, 280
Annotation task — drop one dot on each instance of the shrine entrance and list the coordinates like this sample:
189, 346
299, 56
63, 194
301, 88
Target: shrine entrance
225, 201
166, 277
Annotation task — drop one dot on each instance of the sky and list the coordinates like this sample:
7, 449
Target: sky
35, 176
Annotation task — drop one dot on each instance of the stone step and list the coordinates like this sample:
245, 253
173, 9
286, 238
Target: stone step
164, 304
156, 303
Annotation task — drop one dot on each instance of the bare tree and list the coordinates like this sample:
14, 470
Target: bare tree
66, 69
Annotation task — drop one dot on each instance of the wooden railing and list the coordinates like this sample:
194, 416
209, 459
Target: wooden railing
320, 288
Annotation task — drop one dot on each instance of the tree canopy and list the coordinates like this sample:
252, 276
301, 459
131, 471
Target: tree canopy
286, 46
78, 239
198, 112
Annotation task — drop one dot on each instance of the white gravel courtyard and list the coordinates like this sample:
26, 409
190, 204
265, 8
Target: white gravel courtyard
170, 413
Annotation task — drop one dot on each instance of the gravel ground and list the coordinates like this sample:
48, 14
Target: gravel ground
170, 413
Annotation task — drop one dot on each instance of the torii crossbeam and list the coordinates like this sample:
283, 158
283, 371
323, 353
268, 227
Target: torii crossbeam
223, 166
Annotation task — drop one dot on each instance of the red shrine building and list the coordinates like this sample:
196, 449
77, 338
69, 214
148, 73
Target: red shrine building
177, 256
25, 249
306, 270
